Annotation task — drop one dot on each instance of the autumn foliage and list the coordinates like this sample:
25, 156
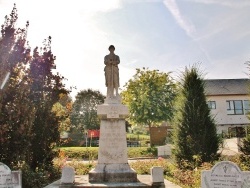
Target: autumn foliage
29, 129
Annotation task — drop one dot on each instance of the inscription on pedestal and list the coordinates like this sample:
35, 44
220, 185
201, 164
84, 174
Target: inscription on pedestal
112, 165
113, 112
113, 146
225, 175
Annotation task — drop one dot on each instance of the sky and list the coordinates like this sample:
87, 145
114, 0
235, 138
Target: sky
167, 35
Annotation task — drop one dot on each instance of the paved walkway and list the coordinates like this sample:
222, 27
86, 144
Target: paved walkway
83, 182
230, 147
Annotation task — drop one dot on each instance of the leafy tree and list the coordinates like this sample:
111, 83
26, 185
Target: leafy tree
62, 109
28, 128
17, 116
195, 138
149, 96
15, 107
84, 112
46, 88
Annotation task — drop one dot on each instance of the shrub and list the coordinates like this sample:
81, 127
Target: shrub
144, 166
189, 178
80, 167
80, 152
40, 177
137, 137
184, 177
92, 153
135, 152
243, 161
245, 148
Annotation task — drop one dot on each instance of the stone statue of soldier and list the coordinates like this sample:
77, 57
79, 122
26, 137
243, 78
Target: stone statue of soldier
112, 164
111, 70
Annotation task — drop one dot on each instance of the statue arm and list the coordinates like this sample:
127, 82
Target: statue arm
118, 59
105, 60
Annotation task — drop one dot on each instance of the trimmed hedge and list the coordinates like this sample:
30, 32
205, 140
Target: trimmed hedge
136, 152
91, 153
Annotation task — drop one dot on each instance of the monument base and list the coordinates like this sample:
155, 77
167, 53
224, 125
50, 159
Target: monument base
83, 182
112, 173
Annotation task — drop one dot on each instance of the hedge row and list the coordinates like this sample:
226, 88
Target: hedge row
91, 153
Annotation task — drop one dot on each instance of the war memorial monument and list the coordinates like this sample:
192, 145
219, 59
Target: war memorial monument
112, 163
112, 168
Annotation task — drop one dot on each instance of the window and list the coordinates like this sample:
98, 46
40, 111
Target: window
211, 104
234, 107
246, 106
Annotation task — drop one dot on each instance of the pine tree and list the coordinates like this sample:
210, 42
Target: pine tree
195, 137
245, 146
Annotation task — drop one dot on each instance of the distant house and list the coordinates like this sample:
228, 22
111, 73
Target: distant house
229, 102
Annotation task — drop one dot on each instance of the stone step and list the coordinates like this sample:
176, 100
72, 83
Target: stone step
83, 182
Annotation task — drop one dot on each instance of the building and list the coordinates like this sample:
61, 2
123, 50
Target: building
229, 102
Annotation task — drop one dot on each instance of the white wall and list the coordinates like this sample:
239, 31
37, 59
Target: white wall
223, 120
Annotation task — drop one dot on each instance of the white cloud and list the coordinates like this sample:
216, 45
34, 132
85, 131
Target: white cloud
186, 25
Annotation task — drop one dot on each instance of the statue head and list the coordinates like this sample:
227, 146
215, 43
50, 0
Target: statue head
111, 47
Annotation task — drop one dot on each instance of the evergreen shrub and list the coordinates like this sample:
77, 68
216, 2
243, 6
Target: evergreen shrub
91, 153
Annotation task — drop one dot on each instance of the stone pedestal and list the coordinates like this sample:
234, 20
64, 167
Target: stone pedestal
112, 163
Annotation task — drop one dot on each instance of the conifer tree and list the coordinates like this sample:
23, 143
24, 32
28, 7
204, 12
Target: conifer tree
195, 137
245, 148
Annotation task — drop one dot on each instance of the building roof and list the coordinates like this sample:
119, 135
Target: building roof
227, 86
